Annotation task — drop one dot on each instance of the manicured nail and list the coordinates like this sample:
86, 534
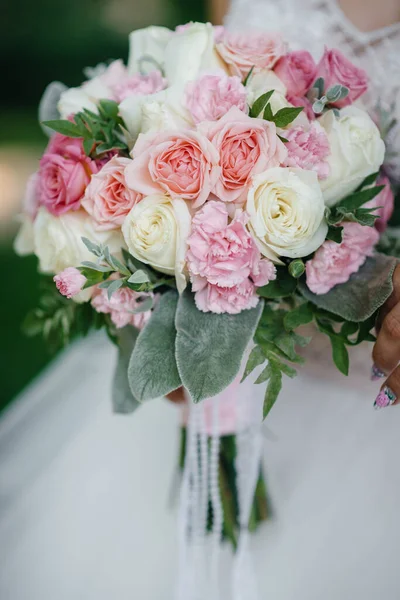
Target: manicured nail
376, 373
386, 397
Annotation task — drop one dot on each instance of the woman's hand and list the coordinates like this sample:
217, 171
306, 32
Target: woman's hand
177, 396
386, 352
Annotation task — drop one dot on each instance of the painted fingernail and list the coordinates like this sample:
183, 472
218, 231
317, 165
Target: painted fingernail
376, 373
386, 397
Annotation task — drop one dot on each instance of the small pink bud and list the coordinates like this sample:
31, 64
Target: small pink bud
70, 282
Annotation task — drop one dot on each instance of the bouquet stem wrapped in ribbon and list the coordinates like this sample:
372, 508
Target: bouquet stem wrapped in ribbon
215, 194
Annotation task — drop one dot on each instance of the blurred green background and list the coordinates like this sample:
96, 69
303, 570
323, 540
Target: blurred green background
42, 41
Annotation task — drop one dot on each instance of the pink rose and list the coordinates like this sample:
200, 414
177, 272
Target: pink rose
308, 149
242, 51
182, 163
121, 305
335, 68
224, 253
211, 96
246, 146
232, 300
139, 85
386, 201
305, 103
64, 173
31, 196
297, 71
70, 282
334, 263
107, 197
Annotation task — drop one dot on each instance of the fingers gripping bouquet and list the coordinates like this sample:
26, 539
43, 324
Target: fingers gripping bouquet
216, 193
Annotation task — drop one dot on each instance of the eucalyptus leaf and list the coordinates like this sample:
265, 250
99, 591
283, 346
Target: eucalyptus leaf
365, 292
93, 248
123, 400
319, 85
96, 267
114, 286
152, 371
210, 347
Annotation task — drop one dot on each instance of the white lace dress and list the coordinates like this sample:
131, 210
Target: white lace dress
85, 495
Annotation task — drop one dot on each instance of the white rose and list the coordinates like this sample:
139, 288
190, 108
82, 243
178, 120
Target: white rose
23, 243
147, 49
58, 240
156, 232
264, 81
191, 51
357, 150
286, 211
74, 100
155, 112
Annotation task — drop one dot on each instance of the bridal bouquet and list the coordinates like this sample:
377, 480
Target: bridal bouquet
204, 202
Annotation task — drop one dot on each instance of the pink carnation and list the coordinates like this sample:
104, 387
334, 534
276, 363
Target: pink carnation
107, 198
222, 253
63, 175
308, 149
139, 85
335, 68
386, 201
334, 263
211, 96
232, 300
242, 51
70, 282
246, 147
121, 305
184, 164
297, 71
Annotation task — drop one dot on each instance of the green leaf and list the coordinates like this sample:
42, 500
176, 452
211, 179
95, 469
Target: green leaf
318, 106
340, 354
64, 127
335, 234
139, 277
301, 315
122, 398
269, 115
144, 306
370, 180
256, 358
359, 198
283, 139
285, 116
364, 293
210, 347
264, 375
319, 85
283, 286
249, 74
273, 389
152, 371
88, 146
109, 108
260, 103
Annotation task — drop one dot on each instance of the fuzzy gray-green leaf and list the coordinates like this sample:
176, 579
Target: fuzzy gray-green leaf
365, 292
123, 400
210, 347
152, 371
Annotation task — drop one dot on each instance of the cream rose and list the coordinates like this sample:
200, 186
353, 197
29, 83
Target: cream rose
286, 211
147, 49
58, 240
357, 150
190, 52
156, 232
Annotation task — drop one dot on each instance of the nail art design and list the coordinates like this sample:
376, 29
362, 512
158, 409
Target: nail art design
386, 397
376, 373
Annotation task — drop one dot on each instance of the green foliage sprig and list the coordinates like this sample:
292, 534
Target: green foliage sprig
282, 118
102, 133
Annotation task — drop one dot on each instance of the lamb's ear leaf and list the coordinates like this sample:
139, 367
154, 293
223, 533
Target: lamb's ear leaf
152, 370
365, 292
123, 400
210, 347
